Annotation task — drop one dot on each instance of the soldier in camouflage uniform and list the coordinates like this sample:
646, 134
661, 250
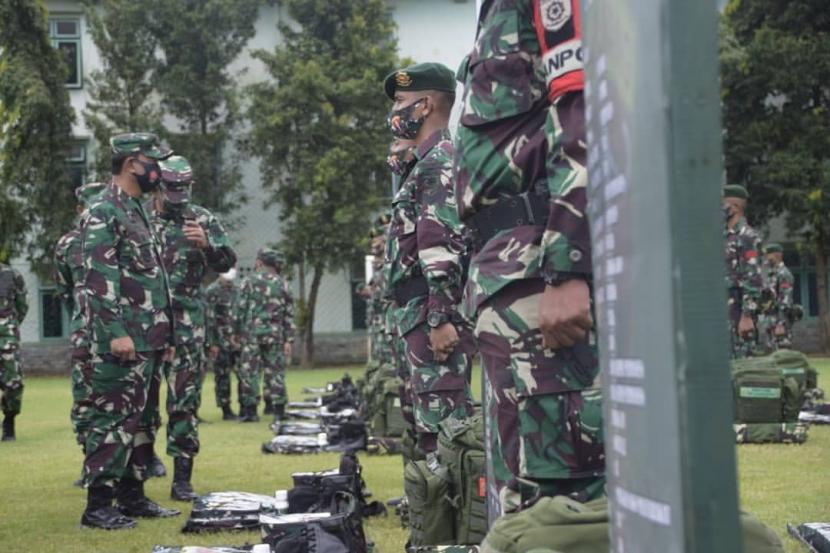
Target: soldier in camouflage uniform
131, 335
744, 280
13, 308
520, 188
222, 299
266, 330
193, 241
425, 253
777, 316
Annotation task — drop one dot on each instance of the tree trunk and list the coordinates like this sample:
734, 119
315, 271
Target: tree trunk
821, 290
311, 305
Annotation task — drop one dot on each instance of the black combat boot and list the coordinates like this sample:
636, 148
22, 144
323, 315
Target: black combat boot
8, 428
279, 412
269, 408
228, 414
133, 503
156, 468
100, 513
182, 490
249, 414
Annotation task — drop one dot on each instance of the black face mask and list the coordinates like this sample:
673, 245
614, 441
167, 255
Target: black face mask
727, 213
151, 178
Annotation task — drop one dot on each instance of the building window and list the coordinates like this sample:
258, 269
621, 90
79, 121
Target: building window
359, 306
52, 316
77, 164
65, 33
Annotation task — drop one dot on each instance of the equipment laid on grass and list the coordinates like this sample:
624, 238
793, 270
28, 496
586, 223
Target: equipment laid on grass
763, 394
261, 548
428, 489
771, 432
814, 535
815, 413
228, 511
345, 435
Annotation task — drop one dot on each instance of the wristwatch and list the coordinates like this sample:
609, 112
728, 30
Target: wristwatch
555, 278
436, 319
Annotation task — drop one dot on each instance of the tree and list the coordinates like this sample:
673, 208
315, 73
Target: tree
776, 97
120, 94
199, 39
35, 135
319, 128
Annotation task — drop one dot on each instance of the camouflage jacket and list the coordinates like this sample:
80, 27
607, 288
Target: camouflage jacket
266, 310
186, 266
13, 306
780, 282
512, 97
744, 280
125, 282
426, 236
69, 269
222, 303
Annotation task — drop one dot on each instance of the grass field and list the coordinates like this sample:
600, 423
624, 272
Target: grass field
40, 509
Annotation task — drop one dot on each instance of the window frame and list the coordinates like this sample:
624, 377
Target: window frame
42, 291
55, 38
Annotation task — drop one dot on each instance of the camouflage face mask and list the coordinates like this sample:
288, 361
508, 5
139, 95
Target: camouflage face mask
397, 161
402, 124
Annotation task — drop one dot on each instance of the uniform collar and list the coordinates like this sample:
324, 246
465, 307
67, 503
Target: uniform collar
431, 142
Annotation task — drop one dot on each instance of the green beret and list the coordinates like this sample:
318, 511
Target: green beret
271, 257
774, 248
145, 143
421, 76
735, 191
87, 192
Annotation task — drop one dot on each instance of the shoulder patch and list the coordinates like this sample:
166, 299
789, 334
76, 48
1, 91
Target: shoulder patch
555, 13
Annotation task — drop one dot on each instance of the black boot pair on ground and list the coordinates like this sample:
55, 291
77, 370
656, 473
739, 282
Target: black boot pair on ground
8, 428
247, 413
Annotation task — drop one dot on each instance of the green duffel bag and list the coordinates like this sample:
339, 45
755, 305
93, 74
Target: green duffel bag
561, 525
794, 364
771, 433
461, 449
431, 517
396, 425
763, 394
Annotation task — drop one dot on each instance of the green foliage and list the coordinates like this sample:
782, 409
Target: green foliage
35, 129
120, 92
318, 125
199, 40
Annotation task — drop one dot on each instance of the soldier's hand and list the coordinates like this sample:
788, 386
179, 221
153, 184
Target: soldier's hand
235, 343
124, 348
169, 354
746, 325
195, 234
565, 314
443, 340
288, 350
780, 330
214, 352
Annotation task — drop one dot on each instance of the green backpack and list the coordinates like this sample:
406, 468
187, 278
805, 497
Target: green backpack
763, 394
561, 525
773, 432
461, 449
396, 425
431, 518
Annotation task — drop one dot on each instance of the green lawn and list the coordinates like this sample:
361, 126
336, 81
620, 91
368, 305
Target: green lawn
40, 508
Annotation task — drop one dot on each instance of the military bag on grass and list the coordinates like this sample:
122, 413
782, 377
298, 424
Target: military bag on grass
562, 525
431, 517
461, 449
763, 394
771, 433
387, 417
797, 365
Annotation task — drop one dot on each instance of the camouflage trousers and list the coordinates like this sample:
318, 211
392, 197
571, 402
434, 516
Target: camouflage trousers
439, 390
257, 359
273, 375
223, 367
403, 372
766, 330
545, 432
184, 390
11, 381
119, 440
81, 382
742, 346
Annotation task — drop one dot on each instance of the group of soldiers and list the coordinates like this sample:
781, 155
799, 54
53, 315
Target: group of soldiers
759, 289
132, 274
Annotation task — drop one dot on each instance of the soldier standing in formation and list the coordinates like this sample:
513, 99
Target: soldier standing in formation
426, 250
266, 331
744, 281
777, 317
192, 241
222, 299
13, 308
520, 182
131, 335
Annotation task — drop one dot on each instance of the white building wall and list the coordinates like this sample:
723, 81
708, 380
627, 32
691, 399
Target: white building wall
428, 30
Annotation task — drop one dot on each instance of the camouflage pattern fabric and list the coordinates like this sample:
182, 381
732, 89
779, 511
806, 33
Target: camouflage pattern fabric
744, 283
778, 281
778, 432
186, 266
127, 294
222, 300
265, 323
13, 309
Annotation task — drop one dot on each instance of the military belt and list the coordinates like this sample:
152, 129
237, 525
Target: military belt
528, 208
409, 289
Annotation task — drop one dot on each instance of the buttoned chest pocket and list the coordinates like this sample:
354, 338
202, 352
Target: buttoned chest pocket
404, 216
138, 250
195, 261
501, 80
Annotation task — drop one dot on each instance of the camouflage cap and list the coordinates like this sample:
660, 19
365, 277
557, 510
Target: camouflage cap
145, 143
421, 76
270, 257
735, 191
87, 192
774, 248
